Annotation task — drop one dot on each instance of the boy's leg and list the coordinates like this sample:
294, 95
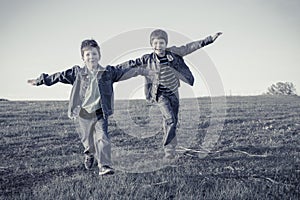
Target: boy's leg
86, 124
174, 101
86, 129
169, 108
102, 142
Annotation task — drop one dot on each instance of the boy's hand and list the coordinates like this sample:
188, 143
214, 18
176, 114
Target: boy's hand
32, 82
216, 36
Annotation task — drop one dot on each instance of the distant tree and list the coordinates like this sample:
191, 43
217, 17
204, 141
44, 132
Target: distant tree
281, 88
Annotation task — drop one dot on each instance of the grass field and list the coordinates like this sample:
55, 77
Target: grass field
256, 154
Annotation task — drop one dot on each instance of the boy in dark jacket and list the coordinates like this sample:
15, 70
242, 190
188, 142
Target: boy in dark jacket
162, 70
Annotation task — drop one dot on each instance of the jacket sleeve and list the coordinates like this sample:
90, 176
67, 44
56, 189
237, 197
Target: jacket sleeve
67, 77
129, 69
190, 47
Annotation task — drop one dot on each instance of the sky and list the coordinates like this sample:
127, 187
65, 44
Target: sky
259, 45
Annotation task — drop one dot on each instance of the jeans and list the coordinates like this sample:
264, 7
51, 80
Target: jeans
93, 134
169, 107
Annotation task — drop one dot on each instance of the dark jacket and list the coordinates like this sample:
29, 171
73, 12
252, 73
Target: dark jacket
150, 69
79, 78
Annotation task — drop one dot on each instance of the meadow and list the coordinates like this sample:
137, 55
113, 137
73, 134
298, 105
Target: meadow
253, 151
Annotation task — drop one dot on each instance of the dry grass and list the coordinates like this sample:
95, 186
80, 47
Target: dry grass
256, 156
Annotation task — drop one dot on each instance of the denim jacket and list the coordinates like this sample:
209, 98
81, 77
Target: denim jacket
150, 70
79, 78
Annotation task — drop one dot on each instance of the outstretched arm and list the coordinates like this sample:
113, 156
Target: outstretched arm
193, 46
67, 77
130, 69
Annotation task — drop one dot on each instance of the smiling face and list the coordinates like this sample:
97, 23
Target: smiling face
91, 57
159, 46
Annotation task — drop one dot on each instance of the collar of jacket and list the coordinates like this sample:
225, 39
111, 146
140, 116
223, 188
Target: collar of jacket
169, 55
85, 70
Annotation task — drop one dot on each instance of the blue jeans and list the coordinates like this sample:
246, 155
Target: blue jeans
93, 134
169, 107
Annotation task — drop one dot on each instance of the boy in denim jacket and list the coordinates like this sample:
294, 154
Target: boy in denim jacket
91, 101
163, 69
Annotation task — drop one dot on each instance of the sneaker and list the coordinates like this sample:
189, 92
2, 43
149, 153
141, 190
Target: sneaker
88, 161
106, 170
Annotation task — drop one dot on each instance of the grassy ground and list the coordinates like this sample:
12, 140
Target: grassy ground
256, 155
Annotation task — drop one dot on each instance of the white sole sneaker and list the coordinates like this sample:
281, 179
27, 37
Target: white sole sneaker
106, 171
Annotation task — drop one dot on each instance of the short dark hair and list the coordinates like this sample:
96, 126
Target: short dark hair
87, 44
158, 34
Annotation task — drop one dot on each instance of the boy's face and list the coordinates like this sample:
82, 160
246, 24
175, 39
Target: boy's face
91, 57
159, 46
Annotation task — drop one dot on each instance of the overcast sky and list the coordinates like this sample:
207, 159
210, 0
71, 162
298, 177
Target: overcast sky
260, 44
